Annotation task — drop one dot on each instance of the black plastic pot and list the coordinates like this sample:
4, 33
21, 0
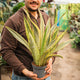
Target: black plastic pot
40, 71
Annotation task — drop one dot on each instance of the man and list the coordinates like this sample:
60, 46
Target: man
14, 52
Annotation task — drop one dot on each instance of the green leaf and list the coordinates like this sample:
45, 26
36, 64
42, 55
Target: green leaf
46, 34
27, 28
62, 45
54, 26
36, 30
36, 36
31, 20
47, 57
42, 25
34, 48
52, 55
19, 37
50, 47
55, 34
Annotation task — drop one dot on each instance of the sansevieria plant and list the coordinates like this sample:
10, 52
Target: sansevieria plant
41, 42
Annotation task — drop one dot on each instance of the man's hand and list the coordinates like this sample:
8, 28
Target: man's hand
30, 74
33, 76
49, 66
48, 69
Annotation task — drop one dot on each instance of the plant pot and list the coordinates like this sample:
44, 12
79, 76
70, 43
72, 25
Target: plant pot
39, 70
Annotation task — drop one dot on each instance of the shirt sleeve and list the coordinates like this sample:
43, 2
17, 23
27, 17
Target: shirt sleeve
8, 47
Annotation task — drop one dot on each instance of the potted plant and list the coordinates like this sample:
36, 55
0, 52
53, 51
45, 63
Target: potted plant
42, 43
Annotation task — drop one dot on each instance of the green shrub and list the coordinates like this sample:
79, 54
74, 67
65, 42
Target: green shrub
18, 6
76, 43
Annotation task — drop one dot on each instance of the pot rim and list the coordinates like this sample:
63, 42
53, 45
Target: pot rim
33, 64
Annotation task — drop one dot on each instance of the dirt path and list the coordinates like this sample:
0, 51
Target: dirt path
67, 68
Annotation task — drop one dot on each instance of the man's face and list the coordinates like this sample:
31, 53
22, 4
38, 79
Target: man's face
32, 5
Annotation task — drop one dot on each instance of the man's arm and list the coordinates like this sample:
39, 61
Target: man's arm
8, 46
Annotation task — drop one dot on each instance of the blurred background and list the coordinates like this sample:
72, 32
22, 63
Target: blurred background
67, 68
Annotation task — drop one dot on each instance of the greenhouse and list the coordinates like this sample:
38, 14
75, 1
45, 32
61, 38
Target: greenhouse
61, 35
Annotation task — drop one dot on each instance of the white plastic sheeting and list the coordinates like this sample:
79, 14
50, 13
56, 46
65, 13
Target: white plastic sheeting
67, 1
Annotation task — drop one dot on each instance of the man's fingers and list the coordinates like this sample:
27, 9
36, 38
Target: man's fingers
32, 75
49, 71
47, 75
47, 68
34, 78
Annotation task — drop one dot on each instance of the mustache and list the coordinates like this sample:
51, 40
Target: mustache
34, 2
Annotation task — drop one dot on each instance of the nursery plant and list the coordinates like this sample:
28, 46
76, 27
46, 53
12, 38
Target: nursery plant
41, 42
2, 61
18, 6
75, 32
